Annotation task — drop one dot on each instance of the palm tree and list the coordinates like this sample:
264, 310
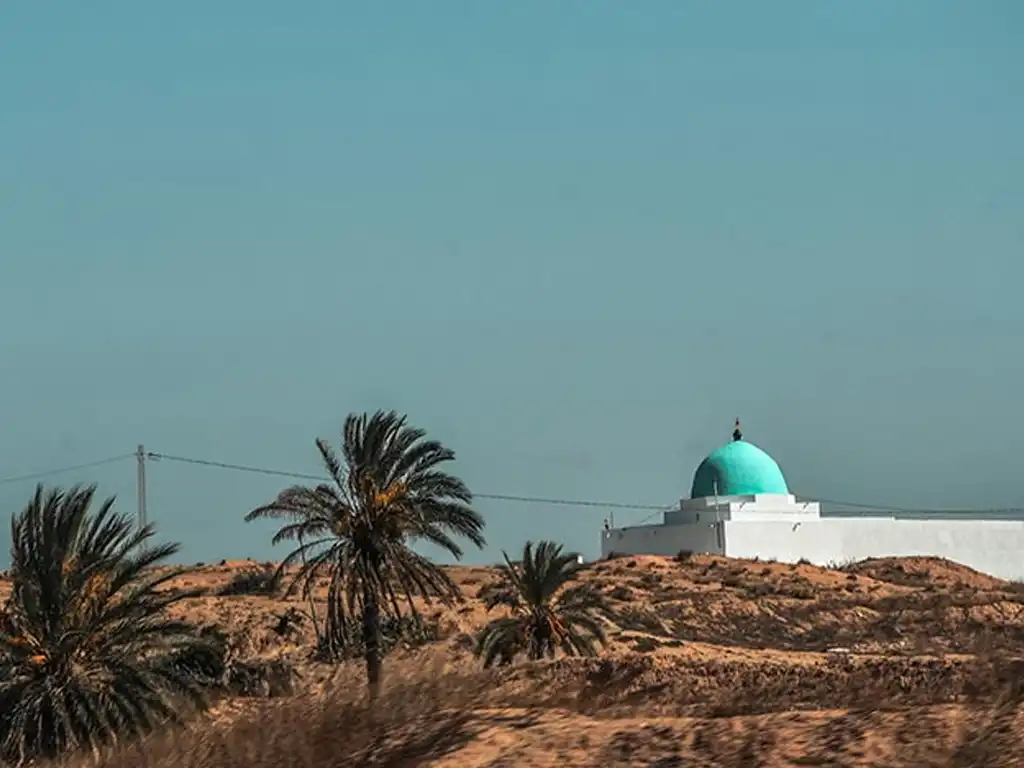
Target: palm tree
87, 652
385, 493
547, 613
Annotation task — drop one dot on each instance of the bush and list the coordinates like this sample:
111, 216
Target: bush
259, 580
259, 678
218, 668
620, 592
396, 631
205, 663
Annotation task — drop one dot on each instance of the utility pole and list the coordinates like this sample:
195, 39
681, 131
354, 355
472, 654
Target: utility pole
140, 485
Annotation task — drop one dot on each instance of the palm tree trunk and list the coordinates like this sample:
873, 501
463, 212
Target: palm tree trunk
309, 595
372, 640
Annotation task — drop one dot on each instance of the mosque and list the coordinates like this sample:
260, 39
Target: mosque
740, 506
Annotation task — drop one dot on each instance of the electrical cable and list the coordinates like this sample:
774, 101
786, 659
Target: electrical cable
321, 478
60, 470
515, 498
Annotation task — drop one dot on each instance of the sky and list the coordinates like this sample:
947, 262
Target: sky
571, 240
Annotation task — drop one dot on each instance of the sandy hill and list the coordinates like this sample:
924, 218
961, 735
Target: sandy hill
885, 662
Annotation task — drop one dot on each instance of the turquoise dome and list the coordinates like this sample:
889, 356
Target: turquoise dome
738, 468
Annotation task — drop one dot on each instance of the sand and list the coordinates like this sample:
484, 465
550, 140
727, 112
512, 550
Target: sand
717, 661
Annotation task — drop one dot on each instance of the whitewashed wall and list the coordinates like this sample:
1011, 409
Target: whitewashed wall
991, 546
664, 539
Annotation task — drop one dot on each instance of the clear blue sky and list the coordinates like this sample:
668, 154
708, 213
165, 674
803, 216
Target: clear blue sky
573, 240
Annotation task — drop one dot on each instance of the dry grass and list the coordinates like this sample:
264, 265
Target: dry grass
437, 715
718, 662
420, 718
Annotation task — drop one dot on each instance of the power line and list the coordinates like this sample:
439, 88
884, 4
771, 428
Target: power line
236, 467
494, 496
923, 510
61, 470
852, 505
557, 501
652, 517
866, 507
570, 502
322, 478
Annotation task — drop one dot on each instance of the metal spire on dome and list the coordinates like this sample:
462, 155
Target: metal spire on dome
736, 434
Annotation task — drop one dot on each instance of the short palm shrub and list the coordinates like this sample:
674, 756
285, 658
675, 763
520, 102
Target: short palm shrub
547, 611
88, 654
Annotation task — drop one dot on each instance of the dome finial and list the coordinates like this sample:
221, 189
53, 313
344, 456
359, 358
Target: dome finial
736, 434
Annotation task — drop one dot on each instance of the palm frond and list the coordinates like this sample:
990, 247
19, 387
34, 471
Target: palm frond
387, 493
501, 641
547, 611
86, 647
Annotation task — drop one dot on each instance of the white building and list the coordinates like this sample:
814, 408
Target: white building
740, 506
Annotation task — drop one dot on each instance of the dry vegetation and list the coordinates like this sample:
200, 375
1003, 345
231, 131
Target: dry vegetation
718, 662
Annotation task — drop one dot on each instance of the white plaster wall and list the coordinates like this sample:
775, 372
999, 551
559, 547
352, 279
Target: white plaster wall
991, 546
762, 506
664, 539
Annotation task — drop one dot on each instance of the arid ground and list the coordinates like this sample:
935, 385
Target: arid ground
717, 662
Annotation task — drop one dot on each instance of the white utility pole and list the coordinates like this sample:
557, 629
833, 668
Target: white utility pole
140, 485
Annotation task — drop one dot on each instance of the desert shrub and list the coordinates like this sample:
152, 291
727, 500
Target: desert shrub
640, 620
253, 580
648, 580
205, 662
799, 589
760, 589
219, 667
286, 623
1015, 588
620, 592
403, 631
259, 678
645, 644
